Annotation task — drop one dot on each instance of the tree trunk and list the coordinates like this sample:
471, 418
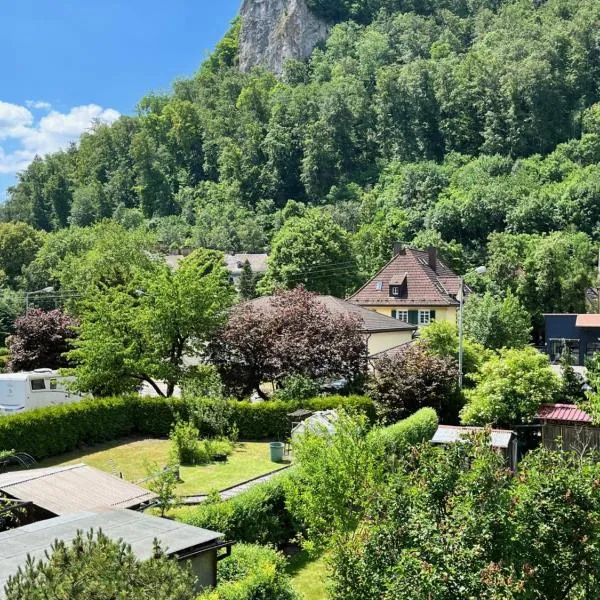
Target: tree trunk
260, 392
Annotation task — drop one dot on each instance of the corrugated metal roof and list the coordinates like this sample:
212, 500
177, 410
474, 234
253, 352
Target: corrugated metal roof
72, 488
136, 529
448, 434
591, 320
567, 413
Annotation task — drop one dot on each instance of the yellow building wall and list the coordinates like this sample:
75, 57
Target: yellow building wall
379, 342
442, 313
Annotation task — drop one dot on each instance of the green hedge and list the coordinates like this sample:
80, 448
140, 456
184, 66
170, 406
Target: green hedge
415, 429
252, 573
57, 429
257, 516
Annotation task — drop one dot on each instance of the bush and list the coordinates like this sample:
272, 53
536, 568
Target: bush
252, 573
417, 428
257, 516
54, 430
185, 444
297, 387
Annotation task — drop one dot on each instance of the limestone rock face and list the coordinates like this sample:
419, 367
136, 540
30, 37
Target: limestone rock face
274, 31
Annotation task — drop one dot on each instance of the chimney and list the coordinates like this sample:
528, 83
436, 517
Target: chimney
398, 248
432, 258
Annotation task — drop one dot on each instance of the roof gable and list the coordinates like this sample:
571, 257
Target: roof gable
424, 286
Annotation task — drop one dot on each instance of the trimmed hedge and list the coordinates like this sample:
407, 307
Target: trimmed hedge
257, 516
419, 427
252, 573
54, 430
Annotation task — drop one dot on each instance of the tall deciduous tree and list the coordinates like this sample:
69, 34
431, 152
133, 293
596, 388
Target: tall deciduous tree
19, 244
497, 323
291, 333
311, 250
130, 337
40, 340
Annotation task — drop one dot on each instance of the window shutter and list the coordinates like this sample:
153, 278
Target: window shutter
432, 315
394, 314
413, 317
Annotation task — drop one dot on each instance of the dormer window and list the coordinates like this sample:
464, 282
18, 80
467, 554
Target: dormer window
399, 286
395, 291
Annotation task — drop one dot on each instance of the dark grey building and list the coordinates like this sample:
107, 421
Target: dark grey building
581, 333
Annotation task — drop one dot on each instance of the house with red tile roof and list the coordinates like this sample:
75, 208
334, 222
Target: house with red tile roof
415, 287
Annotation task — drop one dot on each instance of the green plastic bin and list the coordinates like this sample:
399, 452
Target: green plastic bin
276, 449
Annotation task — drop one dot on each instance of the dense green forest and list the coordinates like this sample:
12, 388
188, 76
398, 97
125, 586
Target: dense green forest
473, 124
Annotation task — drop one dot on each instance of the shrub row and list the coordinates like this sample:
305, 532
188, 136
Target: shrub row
419, 427
252, 573
257, 516
57, 429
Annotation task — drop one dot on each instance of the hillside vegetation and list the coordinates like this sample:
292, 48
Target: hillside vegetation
443, 121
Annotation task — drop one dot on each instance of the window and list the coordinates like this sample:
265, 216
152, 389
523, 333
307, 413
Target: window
38, 384
402, 315
395, 290
424, 317
557, 346
379, 285
592, 348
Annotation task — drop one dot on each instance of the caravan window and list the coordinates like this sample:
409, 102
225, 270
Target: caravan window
38, 384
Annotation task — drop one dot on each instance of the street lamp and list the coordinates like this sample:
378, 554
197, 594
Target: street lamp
478, 271
46, 290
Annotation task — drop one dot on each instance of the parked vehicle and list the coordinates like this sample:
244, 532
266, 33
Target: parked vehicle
35, 389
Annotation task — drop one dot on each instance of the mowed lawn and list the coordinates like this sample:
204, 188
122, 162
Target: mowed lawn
309, 576
132, 458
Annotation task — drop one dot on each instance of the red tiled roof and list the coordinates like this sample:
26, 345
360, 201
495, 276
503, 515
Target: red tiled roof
425, 286
592, 320
563, 412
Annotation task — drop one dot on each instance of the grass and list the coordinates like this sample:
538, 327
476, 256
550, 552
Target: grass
131, 457
309, 575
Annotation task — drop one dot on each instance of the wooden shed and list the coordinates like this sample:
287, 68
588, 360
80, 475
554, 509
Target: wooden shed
566, 427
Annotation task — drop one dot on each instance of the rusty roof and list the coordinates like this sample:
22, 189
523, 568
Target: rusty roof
425, 286
591, 320
566, 413
72, 488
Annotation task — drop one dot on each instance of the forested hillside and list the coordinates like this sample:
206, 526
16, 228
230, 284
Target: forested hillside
448, 121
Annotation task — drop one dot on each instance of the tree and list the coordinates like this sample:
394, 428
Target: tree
497, 323
455, 523
93, 566
126, 338
510, 388
571, 388
291, 333
163, 482
19, 244
411, 379
40, 340
311, 250
247, 282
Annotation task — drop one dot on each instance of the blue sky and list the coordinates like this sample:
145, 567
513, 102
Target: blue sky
67, 62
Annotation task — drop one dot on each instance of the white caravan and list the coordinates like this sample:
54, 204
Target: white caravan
35, 389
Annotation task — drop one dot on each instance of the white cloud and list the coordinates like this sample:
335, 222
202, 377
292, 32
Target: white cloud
38, 104
22, 136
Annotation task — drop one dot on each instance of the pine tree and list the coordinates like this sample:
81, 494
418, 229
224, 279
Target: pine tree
247, 282
571, 388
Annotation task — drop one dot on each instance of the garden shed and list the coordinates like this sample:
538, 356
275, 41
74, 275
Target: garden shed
197, 547
71, 488
502, 440
567, 427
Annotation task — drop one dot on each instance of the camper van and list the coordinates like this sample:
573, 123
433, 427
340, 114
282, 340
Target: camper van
34, 389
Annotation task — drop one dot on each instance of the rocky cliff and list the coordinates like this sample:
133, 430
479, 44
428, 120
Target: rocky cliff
276, 30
